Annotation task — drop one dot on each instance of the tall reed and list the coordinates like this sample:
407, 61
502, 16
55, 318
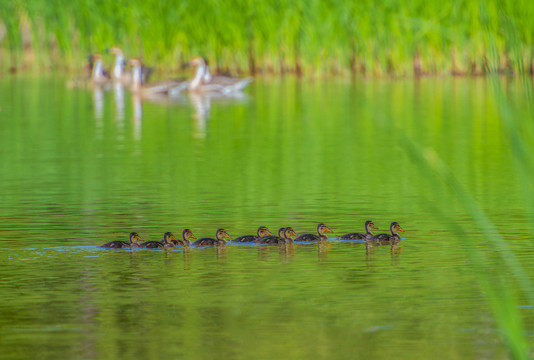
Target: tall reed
389, 37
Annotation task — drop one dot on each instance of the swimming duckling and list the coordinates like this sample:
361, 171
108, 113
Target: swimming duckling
321, 230
262, 231
118, 244
166, 242
356, 236
386, 239
285, 236
220, 235
272, 239
186, 235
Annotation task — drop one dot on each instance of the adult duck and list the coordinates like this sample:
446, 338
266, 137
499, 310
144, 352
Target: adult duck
160, 88
220, 235
321, 230
118, 74
387, 239
261, 232
205, 82
357, 236
99, 77
134, 239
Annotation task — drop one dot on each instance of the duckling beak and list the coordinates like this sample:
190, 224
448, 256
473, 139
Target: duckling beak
328, 229
400, 229
292, 233
227, 236
173, 238
269, 233
192, 236
374, 226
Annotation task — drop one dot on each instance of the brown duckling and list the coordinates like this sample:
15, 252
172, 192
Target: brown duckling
357, 236
285, 236
186, 235
166, 242
321, 230
118, 244
272, 239
220, 235
386, 239
262, 231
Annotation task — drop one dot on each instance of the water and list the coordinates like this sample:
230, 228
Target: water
80, 168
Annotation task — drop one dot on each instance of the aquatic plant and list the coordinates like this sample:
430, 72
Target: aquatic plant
333, 36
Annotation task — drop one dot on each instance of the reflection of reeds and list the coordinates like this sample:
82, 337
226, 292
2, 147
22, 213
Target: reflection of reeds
412, 37
495, 281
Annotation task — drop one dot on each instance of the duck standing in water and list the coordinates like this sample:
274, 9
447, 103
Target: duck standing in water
220, 235
357, 236
119, 244
387, 239
205, 82
261, 232
321, 230
186, 235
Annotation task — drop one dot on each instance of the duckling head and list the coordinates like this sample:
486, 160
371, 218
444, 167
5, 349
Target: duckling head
222, 234
263, 231
290, 233
395, 226
281, 232
322, 228
188, 234
370, 224
135, 238
168, 237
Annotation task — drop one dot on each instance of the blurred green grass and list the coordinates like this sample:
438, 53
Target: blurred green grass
333, 36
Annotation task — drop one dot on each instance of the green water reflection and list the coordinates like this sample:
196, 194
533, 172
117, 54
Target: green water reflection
80, 168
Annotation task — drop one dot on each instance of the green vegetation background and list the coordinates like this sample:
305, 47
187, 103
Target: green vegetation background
309, 36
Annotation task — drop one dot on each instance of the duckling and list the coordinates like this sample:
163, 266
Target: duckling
262, 231
321, 230
205, 82
118, 244
386, 239
356, 236
160, 88
272, 239
220, 235
285, 236
98, 75
186, 235
166, 242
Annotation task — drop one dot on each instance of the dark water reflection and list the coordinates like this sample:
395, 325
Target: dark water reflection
81, 167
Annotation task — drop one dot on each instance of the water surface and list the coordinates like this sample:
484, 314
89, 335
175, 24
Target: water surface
80, 168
